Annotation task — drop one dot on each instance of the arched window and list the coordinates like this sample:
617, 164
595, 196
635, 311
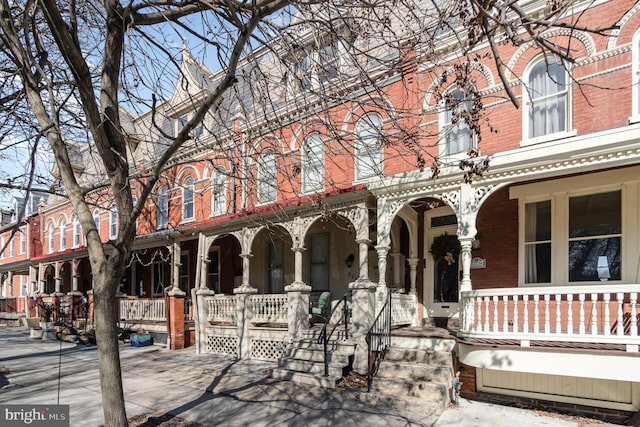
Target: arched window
162, 208
23, 239
134, 202
368, 150
267, 182
50, 237
63, 234
547, 98
313, 163
76, 231
187, 198
96, 219
455, 134
219, 192
113, 222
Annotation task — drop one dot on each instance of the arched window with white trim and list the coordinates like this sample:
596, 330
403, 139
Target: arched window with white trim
162, 208
546, 94
368, 147
187, 198
113, 222
50, 236
455, 133
219, 192
62, 229
76, 232
313, 163
267, 182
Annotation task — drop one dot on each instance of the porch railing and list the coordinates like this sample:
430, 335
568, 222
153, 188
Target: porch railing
146, 309
270, 308
221, 309
607, 314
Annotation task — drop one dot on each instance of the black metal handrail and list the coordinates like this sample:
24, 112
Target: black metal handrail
378, 339
324, 337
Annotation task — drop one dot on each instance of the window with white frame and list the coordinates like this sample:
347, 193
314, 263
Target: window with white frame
11, 247
219, 192
455, 133
187, 198
14, 210
313, 163
134, 202
547, 98
275, 267
316, 65
50, 237
635, 76
213, 270
319, 261
267, 183
62, 229
23, 239
595, 234
96, 219
182, 121
113, 222
587, 226
183, 272
2, 248
162, 208
76, 232
368, 147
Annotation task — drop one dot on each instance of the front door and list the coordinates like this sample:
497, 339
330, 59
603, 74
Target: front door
443, 264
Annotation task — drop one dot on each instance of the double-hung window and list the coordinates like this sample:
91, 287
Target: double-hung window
537, 242
162, 208
313, 163
63, 234
187, 199
455, 133
368, 147
23, 239
113, 222
76, 232
267, 183
219, 192
51, 233
547, 98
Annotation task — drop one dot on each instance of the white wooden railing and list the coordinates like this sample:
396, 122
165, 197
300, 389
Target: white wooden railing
403, 309
152, 309
606, 314
221, 309
270, 308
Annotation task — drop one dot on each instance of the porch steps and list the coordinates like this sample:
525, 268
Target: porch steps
303, 362
415, 378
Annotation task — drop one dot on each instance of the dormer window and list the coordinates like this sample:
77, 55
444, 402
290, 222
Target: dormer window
316, 65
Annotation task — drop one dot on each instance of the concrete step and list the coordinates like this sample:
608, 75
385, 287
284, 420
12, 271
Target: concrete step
312, 379
341, 345
423, 343
405, 388
436, 358
317, 355
300, 365
415, 372
430, 409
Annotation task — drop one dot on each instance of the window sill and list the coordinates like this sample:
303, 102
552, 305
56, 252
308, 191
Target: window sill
547, 138
188, 221
634, 119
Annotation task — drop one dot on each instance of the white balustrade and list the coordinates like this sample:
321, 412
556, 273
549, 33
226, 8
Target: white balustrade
221, 309
607, 314
144, 309
270, 308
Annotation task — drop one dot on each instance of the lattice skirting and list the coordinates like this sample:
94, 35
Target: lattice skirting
267, 350
219, 344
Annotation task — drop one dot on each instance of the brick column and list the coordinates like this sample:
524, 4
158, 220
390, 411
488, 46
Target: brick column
176, 320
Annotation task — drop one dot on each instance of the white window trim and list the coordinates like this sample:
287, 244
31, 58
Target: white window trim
357, 146
77, 235
315, 162
443, 127
192, 186
62, 230
214, 192
635, 78
162, 208
113, 222
23, 240
526, 101
50, 237
261, 201
559, 192
2, 248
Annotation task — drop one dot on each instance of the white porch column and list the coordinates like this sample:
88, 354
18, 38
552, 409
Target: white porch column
202, 291
175, 269
381, 292
465, 283
396, 256
244, 314
362, 317
58, 280
75, 277
11, 292
363, 259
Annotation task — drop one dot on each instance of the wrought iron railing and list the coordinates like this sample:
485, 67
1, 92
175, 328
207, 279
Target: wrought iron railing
326, 333
378, 339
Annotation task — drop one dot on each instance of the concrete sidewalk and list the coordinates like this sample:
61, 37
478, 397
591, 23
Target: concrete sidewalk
210, 390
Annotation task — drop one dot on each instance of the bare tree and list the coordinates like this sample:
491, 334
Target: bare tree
100, 75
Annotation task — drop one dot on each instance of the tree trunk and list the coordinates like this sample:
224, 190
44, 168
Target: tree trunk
108, 352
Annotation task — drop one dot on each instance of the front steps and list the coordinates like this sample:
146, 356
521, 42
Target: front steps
303, 362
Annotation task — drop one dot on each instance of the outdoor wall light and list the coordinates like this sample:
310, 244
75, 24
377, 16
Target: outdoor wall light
476, 243
603, 268
349, 260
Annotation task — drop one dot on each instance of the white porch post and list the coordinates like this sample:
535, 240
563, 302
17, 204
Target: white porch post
465, 283
396, 256
202, 291
75, 278
11, 292
244, 307
58, 279
175, 269
413, 263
